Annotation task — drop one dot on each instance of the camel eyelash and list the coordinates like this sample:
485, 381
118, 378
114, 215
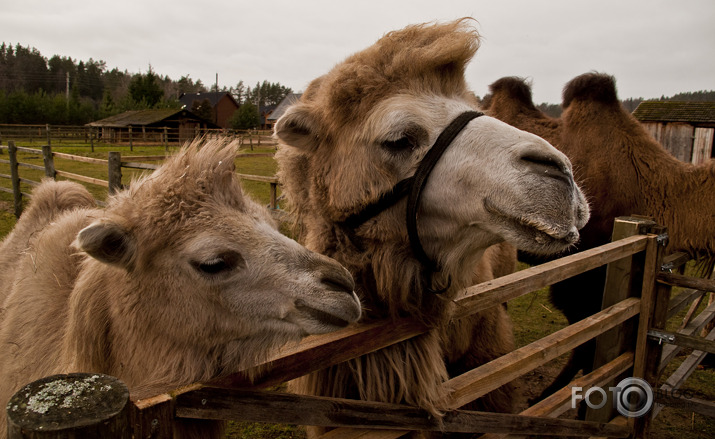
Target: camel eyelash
408, 141
222, 263
400, 145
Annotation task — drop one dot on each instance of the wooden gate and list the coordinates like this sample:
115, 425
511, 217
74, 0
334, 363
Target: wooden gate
637, 289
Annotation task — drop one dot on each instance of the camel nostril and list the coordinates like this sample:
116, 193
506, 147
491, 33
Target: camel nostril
338, 282
547, 166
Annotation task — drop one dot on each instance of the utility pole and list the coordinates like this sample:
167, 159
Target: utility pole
258, 106
67, 91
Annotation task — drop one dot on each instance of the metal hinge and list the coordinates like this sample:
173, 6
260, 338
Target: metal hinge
661, 336
662, 239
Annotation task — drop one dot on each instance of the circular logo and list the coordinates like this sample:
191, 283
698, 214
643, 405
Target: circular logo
635, 397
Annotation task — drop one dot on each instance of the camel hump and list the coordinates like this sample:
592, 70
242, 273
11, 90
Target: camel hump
53, 197
515, 88
598, 87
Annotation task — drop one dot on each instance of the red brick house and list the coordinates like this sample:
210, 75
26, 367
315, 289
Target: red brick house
222, 103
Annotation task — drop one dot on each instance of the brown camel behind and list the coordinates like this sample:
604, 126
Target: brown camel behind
367, 125
509, 100
180, 279
623, 171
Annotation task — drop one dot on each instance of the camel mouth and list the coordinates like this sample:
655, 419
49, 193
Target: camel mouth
534, 232
322, 318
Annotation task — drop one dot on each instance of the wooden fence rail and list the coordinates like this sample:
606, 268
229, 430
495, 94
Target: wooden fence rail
114, 164
236, 397
96, 136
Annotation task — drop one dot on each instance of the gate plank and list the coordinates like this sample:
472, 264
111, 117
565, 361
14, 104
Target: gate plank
482, 380
494, 292
272, 407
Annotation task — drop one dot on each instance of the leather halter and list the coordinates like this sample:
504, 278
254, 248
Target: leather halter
413, 187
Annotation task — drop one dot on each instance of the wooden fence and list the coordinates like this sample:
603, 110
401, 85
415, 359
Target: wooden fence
638, 290
91, 136
114, 165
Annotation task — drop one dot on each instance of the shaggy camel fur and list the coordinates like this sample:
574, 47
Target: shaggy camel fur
509, 100
623, 171
363, 127
180, 279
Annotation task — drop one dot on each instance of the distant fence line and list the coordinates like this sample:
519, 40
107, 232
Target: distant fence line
114, 165
131, 135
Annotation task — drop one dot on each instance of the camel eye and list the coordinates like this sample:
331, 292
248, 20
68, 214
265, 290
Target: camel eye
222, 263
401, 145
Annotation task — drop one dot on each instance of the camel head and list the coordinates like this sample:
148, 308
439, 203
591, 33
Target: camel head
208, 263
368, 124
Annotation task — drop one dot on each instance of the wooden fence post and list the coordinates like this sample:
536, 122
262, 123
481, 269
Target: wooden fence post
75, 405
653, 315
91, 139
49, 162
166, 140
274, 198
114, 164
623, 279
131, 139
49, 135
15, 177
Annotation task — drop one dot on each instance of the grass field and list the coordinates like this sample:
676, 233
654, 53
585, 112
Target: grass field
533, 314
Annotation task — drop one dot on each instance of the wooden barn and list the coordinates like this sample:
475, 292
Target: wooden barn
223, 105
151, 125
686, 129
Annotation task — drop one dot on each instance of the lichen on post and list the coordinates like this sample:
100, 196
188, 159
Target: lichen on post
73, 405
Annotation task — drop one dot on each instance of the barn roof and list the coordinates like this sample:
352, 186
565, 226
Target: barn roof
213, 97
287, 101
673, 111
145, 118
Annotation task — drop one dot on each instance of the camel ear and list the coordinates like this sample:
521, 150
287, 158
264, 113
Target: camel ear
298, 128
107, 242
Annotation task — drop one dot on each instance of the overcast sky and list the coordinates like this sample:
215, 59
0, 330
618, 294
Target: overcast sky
653, 48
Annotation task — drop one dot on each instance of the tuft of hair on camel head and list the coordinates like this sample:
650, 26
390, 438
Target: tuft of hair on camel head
420, 57
201, 171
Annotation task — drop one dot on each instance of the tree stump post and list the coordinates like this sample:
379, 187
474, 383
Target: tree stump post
15, 176
70, 406
114, 171
49, 161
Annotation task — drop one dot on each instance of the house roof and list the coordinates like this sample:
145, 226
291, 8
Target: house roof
144, 118
287, 101
213, 96
673, 111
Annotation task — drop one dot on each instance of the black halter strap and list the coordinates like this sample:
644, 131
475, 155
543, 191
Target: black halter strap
413, 187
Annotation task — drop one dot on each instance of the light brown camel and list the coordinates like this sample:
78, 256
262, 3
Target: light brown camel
180, 279
623, 171
348, 148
